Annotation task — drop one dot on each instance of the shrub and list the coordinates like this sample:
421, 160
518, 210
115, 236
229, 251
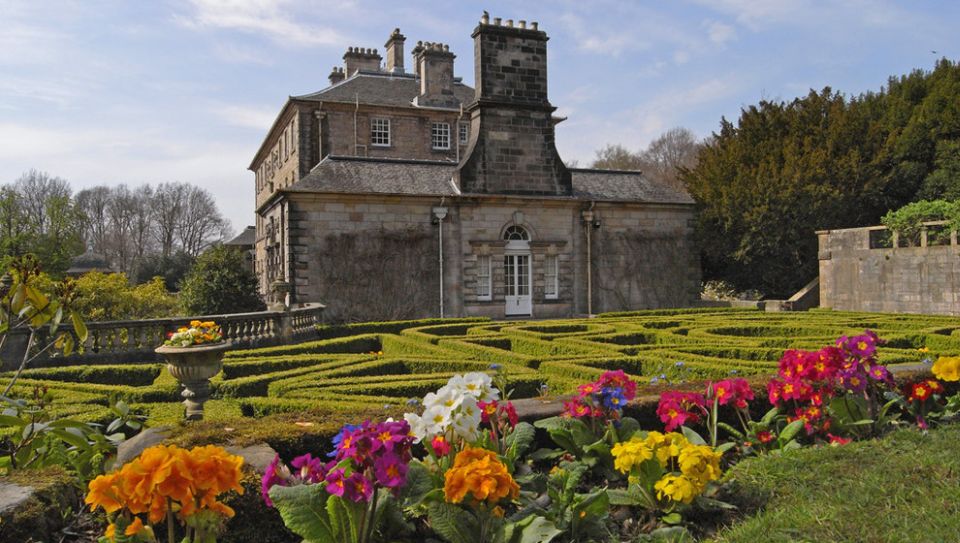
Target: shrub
220, 282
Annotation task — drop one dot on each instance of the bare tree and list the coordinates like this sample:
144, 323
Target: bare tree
142, 223
169, 201
662, 160
200, 222
676, 149
92, 204
617, 157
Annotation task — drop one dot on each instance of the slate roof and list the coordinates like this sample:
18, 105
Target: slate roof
247, 237
362, 175
381, 89
89, 262
625, 186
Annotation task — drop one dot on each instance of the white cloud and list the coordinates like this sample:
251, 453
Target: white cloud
720, 33
604, 41
258, 117
755, 14
681, 57
273, 19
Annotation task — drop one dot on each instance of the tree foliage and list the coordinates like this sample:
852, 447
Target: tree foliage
787, 169
220, 282
38, 216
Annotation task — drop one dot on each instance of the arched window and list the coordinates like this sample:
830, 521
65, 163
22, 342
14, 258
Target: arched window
516, 233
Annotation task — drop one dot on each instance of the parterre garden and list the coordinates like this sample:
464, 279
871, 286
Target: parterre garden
372, 365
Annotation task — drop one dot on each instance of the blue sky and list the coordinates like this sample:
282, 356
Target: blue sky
183, 90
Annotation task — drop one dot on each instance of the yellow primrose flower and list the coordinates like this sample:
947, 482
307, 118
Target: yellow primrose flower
947, 368
677, 488
629, 454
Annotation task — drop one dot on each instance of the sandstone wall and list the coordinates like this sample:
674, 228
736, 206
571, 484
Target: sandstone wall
854, 277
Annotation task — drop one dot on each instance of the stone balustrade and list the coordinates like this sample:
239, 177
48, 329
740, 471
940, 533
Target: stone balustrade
135, 340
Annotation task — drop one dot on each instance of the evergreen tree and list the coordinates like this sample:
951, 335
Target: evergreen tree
220, 282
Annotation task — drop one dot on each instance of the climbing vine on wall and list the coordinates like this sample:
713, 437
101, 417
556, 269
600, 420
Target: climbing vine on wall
636, 269
380, 275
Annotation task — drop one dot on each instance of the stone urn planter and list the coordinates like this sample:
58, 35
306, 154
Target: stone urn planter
193, 367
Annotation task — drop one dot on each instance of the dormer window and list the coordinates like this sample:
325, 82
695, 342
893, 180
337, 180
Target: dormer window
380, 132
440, 136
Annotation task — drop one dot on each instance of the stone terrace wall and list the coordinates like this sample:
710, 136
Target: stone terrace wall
868, 269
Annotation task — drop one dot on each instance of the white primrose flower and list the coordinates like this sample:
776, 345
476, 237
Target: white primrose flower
480, 386
418, 426
465, 427
437, 419
469, 410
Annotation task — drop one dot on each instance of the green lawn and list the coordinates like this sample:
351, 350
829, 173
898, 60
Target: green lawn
899, 489
384, 364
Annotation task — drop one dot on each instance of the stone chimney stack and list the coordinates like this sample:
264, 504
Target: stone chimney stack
513, 148
436, 76
336, 75
394, 47
416, 53
358, 58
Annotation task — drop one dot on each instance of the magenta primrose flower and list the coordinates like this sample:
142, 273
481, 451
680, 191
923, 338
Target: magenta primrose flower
336, 483
357, 488
391, 471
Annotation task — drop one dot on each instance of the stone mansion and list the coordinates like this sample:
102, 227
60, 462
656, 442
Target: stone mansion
403, 193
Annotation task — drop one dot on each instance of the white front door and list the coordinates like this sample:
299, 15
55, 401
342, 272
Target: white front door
516, 274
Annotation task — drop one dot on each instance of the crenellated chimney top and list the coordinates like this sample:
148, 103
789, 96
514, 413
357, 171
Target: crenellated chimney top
513, 150
336, 75
435, 68
359, 58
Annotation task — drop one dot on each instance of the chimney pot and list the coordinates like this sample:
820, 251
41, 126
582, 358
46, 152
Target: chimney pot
496, 21
534, 25
509, 23
485, 18
523, 24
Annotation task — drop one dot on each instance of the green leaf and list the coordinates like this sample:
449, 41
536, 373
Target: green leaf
79, 327
345, 518
537, 529
768, 418
724, 447
672, 518
303, 509
519, 441
619, 496
454, 524
692, 436
546, 454
419, 484
628, 427
79, 442
790, 431
9, 420
731, 430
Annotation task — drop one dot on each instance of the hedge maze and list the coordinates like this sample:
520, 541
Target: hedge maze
384, 364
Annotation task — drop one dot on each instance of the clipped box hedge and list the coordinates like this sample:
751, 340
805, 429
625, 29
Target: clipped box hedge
362, 366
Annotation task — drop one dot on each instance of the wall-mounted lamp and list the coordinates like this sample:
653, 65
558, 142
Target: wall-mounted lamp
590, 218
439, 213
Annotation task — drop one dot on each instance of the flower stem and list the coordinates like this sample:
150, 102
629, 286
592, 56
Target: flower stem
170, 534
373, 516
